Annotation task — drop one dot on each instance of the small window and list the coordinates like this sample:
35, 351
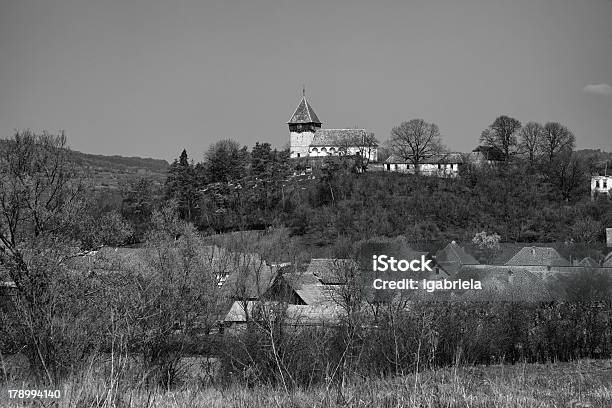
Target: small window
605, 184
298, 155
439, 166
597, 184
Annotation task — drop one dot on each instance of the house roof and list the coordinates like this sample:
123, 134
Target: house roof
330, 271
588, 262
505, 283
304, 114
447, 158
308, 287
340, 137
248, 277
608, 260
453, 253
537, 256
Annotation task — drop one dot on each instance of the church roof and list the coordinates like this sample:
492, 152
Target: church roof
304, 114
340, 137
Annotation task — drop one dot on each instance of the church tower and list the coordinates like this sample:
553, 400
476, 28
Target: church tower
302, 127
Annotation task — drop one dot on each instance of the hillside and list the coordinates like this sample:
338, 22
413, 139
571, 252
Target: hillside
110, 171
107, 172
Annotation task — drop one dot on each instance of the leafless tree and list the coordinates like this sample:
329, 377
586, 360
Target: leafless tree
41, 199
565, 173
531, 137
501, 134
359, 148
415, 141
556, 139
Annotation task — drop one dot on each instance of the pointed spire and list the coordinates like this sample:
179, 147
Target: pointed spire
304, 112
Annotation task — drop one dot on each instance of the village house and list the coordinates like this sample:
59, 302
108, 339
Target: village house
601, 185
308, 139
445, 165
452, 257
537, 256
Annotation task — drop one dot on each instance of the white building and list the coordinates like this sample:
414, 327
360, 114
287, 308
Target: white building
601, 185
444, 165
307, 139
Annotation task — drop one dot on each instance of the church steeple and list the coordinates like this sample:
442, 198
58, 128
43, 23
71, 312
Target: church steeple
304, 114
302, 127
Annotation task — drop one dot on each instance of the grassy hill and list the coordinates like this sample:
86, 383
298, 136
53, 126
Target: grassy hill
107, 172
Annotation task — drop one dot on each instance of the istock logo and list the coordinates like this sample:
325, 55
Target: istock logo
384, 263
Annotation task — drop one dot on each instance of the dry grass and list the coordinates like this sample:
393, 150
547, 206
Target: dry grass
530, 385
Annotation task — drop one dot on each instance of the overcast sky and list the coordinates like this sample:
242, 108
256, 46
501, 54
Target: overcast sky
151, 77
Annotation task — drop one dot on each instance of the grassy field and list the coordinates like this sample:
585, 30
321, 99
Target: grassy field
584, 383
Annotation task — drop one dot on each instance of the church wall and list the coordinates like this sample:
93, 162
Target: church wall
300, 143
322, 151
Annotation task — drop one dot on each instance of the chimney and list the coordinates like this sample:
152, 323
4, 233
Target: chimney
609, 237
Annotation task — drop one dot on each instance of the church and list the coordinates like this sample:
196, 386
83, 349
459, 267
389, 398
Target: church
308, 139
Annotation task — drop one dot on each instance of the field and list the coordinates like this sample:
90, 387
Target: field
584, 383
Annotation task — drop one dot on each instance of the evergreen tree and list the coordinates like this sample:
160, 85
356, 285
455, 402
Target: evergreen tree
182, 186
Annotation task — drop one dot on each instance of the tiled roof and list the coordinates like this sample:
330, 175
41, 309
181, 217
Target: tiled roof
330, 271
454, 253
304, 114
448, 158
309, 288
506, 283
340, 137
538, 256
608, 260
588, 262
249, 275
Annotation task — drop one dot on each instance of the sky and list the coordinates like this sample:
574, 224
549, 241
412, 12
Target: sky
149, 77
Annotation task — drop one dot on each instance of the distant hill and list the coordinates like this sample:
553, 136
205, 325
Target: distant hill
596, 154
120, 162
108, 172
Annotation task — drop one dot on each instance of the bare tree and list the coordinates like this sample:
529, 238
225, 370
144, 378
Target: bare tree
565, 172
501, 134
41, 198
531, 137
415, 141
361, 148
556, 139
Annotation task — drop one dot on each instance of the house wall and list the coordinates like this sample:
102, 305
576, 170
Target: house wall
601, 185
428, 169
